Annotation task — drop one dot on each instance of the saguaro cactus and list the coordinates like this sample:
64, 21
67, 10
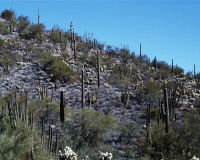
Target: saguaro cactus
154, 63
166, 111
172, 66
148, 125
140, 53
98, 68
62, 106
38, 17
194, 71
83, 89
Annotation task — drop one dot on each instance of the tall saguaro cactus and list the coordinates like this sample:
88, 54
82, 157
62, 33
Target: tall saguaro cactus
172, 66
98, 68
83, 90
166, 111
148, 125
62, 106
38, 17
194, 71
140, 53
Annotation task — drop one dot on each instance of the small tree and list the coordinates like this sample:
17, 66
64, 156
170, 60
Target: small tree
23, 23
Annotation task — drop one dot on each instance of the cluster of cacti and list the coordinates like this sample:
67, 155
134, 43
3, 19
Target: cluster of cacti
18, 109
42, 90
125, 97
166, 110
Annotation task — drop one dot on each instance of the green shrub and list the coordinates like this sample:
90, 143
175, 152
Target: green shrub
4, 28
8, 14
58, 68
35, 31
62, 72
84, 47
1, 43
7, 60
178, 71
89, 127
23, 23
17, 143
151, 92
127, 132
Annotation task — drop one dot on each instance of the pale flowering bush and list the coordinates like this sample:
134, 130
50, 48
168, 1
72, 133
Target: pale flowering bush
67, 154
194, 158
105, 156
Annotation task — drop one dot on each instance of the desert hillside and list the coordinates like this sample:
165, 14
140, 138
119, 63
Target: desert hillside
59, 89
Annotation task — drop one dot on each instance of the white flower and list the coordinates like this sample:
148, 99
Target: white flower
105, 156
68, 153
194, 158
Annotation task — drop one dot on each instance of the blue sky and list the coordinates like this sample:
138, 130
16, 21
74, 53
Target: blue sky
166, 28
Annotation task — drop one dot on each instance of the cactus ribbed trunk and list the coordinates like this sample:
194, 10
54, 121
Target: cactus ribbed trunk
140, 53
148, 125
62, 105
98, 68
166, 110
83, 90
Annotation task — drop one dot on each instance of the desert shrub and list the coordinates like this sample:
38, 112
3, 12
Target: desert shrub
44, 110
90, 60
17, 143
7, 60
23, 23
121, 75
55, 34
190, 133
35, 31
8, 14
178, 70
181, 142
164, 69
151, 92
89, 127
57, 67
4, 28
127, 132
61, 71
84, 47
1, 43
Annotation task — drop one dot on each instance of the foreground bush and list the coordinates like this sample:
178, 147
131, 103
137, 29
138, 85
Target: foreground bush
89, 127
20, 143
